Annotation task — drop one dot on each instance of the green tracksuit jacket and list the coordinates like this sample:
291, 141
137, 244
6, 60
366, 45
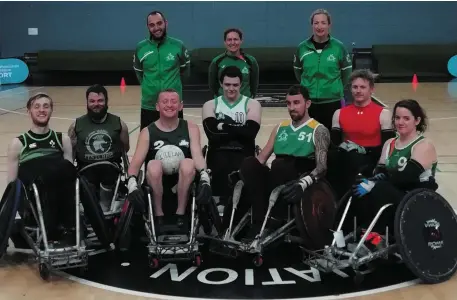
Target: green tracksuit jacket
248, 66
158, 66
324, 74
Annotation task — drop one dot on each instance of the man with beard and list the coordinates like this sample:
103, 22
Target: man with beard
44, 157
99, 136
300, 146
231, 123
160, 62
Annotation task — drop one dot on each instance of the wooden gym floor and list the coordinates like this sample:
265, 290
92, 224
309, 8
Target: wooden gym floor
22, 281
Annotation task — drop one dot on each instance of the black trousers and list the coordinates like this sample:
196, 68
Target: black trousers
259, 182
149, 116
323, 113
56, 186
222, 163
343, 168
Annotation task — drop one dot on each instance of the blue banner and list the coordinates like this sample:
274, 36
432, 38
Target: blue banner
13, 71
452, 66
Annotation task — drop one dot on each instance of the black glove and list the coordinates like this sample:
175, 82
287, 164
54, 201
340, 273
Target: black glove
204, 192
135, 195
293, 191
233, 178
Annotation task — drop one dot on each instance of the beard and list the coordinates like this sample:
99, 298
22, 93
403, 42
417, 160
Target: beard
97, 116
164, 34
296, 116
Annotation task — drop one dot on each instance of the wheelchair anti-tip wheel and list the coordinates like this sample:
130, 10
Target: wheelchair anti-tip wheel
426, 235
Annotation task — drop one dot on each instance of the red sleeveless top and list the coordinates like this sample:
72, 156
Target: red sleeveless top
361, 124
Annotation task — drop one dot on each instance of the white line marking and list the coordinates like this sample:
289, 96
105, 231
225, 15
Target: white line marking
29, 90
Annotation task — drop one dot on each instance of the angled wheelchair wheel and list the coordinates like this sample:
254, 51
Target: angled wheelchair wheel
425, 231
315, 215
122, 236
9, 206
94, 212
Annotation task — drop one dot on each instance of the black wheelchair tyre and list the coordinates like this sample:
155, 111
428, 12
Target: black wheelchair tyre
315, 215
9, 205
425, 231
122, 236
94, 212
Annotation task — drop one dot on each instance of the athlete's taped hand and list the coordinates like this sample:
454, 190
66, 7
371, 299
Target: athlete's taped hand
135, 196
363, 187
350, 146
293, 191
204, 192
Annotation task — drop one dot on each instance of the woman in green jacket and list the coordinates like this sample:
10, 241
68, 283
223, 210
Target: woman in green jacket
323, 65
234, 56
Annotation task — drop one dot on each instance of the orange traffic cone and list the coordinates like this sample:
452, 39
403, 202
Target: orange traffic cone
415, 82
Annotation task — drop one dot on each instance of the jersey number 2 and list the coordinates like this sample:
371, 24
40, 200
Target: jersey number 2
303, 135
158, 144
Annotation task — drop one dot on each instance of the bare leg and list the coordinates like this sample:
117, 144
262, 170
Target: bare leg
186, 177
154, 177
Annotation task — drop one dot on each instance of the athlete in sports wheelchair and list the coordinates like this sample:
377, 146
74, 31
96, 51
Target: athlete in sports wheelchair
175, 173
397, 212
40, 208
279, 198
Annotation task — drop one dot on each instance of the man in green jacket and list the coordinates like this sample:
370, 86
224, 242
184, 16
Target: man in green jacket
160, 62
323, 65
234, 56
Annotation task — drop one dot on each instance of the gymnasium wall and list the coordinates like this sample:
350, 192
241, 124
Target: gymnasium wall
116, 25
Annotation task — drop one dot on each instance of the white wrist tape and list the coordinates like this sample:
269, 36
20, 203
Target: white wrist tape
204, 176
132, 184
306, 182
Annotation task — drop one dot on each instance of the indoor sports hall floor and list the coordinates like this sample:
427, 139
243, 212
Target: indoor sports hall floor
23, 282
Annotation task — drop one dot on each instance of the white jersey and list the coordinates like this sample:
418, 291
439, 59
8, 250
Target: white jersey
231, 113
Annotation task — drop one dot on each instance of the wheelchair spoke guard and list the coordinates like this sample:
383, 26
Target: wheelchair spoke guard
426, 234
316, 215
9, 206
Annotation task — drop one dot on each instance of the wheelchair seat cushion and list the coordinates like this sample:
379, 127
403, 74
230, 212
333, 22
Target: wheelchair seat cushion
315, 215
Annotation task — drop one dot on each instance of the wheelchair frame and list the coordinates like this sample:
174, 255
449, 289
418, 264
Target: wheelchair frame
160, 251
334, 258
232, 247
52, 259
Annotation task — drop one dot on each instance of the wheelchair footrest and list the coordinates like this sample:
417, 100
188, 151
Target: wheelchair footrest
173, 239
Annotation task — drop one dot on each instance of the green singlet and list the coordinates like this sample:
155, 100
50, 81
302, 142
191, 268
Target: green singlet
397, 158
297, 142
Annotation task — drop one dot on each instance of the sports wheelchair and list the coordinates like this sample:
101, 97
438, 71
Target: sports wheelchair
305, 220
425, 240
31, 228
103, 224
172, 244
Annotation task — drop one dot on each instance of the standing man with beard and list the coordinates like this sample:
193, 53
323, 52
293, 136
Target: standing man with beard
44, 157
323, 65
160, 62
99, 136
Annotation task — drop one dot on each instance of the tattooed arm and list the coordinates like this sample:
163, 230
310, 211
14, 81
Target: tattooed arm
72, 135
321, 145
293, 191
